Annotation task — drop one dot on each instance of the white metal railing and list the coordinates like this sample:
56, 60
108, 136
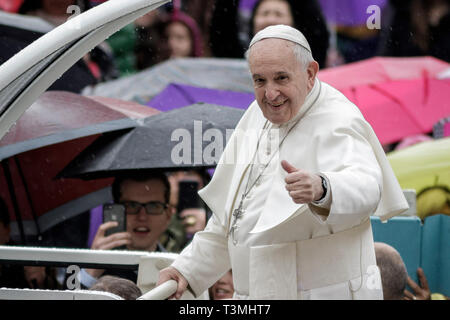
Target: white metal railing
148, 265
40, 294
62, 256
161, 292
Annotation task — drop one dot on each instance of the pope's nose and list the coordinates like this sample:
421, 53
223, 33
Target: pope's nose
272, 94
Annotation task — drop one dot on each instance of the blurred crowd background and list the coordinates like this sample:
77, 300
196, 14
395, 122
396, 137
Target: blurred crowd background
339, 31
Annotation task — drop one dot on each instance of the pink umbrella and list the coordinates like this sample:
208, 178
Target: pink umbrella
381, 69
397, 109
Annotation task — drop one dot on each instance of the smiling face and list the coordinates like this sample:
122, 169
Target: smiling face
223, 289
145, 229
281, 83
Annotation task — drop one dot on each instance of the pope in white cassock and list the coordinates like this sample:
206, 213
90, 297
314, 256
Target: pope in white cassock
294, 189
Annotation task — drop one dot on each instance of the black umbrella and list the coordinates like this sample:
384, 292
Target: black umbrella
188, 137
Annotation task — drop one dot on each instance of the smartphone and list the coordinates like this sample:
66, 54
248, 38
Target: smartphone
115, 212
187, 195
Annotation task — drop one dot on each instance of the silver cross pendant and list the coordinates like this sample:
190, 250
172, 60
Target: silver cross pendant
237, 213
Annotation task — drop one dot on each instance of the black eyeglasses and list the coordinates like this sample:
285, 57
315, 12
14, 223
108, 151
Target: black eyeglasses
153, 208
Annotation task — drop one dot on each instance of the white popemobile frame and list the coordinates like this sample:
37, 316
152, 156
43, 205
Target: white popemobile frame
23, 78
148, 265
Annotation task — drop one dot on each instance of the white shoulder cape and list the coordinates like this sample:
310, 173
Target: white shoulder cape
220, 192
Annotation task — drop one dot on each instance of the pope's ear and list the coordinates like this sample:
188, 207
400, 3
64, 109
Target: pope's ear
312, 70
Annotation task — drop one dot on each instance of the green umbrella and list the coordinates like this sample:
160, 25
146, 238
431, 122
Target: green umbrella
425, 167
422, 165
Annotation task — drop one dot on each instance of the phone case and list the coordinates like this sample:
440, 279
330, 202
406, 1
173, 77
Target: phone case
114, 212
188, 195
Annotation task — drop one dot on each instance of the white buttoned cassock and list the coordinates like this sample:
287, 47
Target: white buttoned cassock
284, 250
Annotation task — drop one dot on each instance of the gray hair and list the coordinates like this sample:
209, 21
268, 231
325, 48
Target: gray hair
392, 270
304, 57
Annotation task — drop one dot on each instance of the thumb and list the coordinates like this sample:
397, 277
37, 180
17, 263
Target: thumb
288, 167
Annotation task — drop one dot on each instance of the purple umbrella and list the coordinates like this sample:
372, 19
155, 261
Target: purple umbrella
180, 95
247, 4
95, 221
348, 12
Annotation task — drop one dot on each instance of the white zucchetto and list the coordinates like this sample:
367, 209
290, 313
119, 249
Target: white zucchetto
281, 31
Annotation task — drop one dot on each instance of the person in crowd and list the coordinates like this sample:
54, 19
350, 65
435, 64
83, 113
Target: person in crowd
123, 44
187, 221
164, 35
18, 276
295, 203
123, 288
392, 270
223, 289
150, 49
354, 28
422, 291
417, 28
183, 36
394, 277
54, 11
100, 60
201, 12
145, 197
306, 16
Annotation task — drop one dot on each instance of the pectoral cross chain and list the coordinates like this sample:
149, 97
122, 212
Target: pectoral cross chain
237, 213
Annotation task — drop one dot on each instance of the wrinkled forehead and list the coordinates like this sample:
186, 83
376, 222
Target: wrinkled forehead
270, 48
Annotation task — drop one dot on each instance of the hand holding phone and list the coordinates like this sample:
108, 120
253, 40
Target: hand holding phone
115, 212
188, 195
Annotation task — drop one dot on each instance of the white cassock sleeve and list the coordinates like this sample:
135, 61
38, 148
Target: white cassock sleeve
347, 159
206, 258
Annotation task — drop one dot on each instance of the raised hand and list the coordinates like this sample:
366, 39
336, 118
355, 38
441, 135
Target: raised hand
303, 186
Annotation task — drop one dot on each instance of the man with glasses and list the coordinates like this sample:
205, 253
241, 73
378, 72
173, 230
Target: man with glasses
145, 198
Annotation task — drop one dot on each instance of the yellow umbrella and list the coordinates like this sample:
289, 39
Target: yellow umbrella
422, 167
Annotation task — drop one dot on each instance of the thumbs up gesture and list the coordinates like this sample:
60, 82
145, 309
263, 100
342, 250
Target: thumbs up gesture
303, 186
